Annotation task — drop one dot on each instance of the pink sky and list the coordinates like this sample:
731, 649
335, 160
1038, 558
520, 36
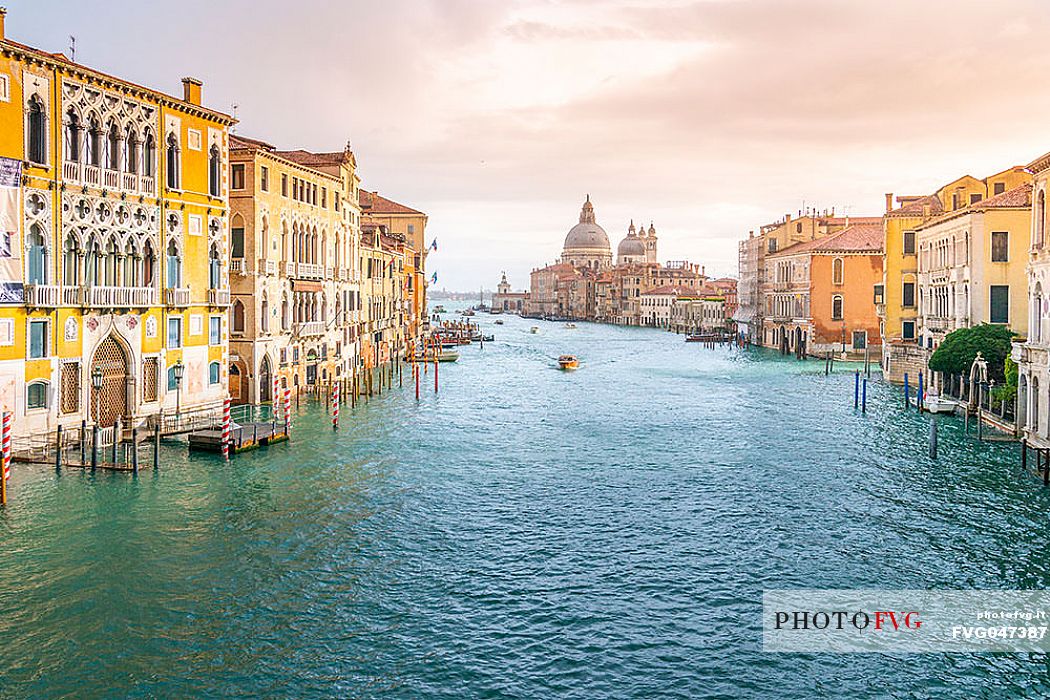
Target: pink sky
496, 117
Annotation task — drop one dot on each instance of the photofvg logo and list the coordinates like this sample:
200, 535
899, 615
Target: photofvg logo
905, 620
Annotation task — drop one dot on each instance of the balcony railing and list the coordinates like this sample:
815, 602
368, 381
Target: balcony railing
289, 269
329, 273
83, 173
237, 265
42, 295
70, 296
218, 297
309, 328
309, 271
71, 171
118, 297
177, 296
268, 267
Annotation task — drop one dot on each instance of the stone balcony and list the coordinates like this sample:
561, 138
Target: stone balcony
309, 328
43, 295
309, 271
238, 266
177, 296
218, 297
96, 176
267, 267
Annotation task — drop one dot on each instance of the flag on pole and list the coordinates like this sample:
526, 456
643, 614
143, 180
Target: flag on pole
434, 278
434, 245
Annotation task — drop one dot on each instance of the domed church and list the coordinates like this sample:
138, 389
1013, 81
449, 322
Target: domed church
638, 247
587, 245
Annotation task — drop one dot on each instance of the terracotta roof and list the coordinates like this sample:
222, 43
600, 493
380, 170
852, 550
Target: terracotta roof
373, 203
853, 238
313, 159
1017, 197
917, 206
238, 141
852, 220
671, 289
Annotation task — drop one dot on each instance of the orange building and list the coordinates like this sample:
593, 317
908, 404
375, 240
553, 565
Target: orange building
822, 294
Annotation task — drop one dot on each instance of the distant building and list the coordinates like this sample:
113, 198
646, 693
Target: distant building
506, 300
820, 293
585, 284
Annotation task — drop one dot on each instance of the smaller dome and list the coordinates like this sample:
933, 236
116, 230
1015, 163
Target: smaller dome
632, 245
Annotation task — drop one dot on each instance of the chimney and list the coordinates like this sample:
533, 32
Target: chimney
889, 201
3, 16
787, 218
191, 91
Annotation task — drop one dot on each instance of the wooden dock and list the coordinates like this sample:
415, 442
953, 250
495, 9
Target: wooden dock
242, 437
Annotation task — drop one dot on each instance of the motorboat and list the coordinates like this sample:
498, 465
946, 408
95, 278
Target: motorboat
568, 362
935, 404
534, 329
499, 321
570, 326
447, 356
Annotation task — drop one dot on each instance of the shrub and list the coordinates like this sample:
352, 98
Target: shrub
957, 351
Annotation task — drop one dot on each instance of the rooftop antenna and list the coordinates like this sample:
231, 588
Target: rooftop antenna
72, 48
233, 129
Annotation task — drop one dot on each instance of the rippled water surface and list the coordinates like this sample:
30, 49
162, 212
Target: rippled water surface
526, 533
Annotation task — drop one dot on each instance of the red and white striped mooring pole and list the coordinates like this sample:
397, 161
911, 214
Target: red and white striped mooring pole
226, 428
5, 455
288, 407
335, 406
274, 397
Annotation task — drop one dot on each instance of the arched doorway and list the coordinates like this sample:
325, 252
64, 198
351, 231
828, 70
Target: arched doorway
110, 400
236, 383
265, 380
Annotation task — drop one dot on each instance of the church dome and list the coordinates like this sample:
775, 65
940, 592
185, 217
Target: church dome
587, 235
632, 245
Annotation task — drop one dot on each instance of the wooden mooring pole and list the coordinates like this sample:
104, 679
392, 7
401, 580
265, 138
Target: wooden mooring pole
58, 449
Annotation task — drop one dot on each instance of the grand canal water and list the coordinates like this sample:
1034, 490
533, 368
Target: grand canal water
525, 533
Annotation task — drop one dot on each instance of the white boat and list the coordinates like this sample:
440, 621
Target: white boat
447, 356
570, 326
534, 329
935, 404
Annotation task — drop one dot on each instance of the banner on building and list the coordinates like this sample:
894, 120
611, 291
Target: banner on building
10, 225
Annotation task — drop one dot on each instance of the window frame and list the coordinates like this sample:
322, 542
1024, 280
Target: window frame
1004, 249
992, 289
842, 307
45, 385
177, 320
30, 324
236, 168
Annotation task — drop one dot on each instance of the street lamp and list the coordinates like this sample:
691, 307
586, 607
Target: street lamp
179, 370
96, 384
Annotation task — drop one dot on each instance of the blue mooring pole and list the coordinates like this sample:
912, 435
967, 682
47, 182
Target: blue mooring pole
856, 389
907, 403
918, 395
864, 397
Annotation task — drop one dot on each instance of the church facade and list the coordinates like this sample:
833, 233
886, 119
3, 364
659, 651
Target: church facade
587, 284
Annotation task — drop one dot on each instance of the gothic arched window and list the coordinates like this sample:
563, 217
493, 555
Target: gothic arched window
71, 262
214, 267
214, 172
73, 137
174, 266
36, 129
36, 256
149, 154
173, 162
113, 147
131, 151
238, 317
94, 142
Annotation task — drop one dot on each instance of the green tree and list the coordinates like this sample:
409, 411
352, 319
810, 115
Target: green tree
957, 351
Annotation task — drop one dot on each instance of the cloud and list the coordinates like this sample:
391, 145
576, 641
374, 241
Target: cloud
496, 117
